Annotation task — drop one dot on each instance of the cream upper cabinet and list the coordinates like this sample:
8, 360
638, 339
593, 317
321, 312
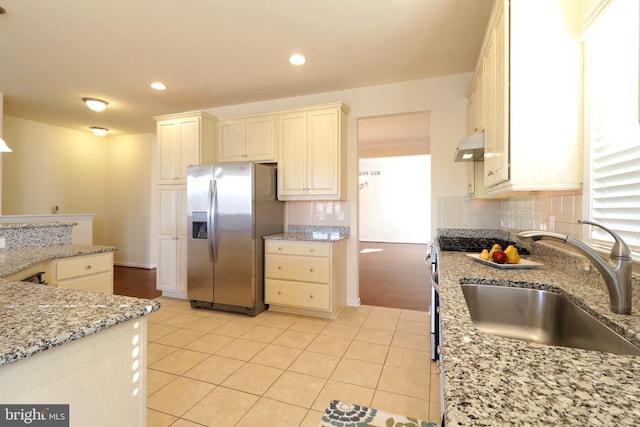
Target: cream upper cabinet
250, 138
531, 82
183, 140
312, 156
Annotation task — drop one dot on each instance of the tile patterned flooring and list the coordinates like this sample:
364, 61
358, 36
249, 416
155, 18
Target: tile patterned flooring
208, 368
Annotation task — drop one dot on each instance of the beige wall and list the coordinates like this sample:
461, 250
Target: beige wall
53, 166
82, 173
129, 193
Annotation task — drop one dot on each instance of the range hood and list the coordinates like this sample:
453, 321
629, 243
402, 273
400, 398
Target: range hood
471, 148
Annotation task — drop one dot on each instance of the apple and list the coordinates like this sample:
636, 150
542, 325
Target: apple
499, 257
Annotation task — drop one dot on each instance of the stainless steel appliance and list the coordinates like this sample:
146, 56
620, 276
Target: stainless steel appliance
230, 207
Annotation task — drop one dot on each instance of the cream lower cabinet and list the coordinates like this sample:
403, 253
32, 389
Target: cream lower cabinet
305, 277
171, 277
87, 272
312, 153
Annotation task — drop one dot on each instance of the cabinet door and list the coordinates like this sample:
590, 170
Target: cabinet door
168, 198
231, 147
167, 272
501, 106
260, 139
323, 152
292, 164
189, 146
167, 151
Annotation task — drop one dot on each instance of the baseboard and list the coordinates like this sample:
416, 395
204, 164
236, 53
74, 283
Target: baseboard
134, 265
174, 294
354, 302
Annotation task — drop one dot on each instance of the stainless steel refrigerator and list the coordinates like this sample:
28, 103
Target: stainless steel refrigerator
230, 207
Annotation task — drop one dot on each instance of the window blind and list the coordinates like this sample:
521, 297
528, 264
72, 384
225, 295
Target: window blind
611, 82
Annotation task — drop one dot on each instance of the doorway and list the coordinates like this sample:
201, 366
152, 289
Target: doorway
394, 203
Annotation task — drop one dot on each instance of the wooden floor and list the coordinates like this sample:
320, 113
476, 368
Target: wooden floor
135, 282
391, 275
394, 275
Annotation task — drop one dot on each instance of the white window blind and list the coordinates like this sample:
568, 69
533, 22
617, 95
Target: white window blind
613, 132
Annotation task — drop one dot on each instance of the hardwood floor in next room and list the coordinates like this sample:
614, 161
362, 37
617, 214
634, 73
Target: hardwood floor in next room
391, 275
394, 275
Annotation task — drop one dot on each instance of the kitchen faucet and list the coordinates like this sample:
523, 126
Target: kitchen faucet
617, 273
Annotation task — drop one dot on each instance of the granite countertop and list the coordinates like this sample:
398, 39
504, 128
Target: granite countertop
15, 260
34, 318
494, 381
317, 236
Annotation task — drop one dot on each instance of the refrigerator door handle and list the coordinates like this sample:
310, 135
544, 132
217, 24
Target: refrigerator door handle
211, 221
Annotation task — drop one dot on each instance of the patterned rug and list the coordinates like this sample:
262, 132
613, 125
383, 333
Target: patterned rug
341, 414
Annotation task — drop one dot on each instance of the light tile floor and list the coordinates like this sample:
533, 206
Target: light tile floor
220, 369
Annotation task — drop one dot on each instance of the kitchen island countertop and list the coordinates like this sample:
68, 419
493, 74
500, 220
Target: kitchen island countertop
15, 260
35, 317
494, 381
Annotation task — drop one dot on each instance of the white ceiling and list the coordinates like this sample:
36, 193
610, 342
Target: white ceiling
213, 53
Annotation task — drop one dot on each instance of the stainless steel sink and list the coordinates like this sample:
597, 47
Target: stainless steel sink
542, 317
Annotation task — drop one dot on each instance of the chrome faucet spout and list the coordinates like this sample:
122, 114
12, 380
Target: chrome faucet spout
617, 273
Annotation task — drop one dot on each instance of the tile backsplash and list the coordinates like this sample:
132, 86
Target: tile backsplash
320, 212
549, 212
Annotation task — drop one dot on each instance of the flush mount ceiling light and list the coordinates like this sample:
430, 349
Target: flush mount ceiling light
297, 59
99, 131
95, 104
158, 86
4, 148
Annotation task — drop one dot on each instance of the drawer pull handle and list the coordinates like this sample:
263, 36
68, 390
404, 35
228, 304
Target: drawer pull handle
311, 250
311, 270
311, 296
279, 293
279, 268
279, 248
88, 267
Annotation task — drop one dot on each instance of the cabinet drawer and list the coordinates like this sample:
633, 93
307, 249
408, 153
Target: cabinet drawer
305, 295
102, 282
83, 266
299, 268
288, 247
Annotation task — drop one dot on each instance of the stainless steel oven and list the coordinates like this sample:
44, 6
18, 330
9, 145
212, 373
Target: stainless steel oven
431, 262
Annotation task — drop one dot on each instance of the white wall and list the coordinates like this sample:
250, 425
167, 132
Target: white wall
1, 154
395, 199
444, 97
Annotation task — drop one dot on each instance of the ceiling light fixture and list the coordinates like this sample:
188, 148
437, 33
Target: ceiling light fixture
99, 131
158, 86
95, 104
297, 59
4, 148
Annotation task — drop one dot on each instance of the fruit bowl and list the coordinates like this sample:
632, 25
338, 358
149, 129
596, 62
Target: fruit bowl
524, 263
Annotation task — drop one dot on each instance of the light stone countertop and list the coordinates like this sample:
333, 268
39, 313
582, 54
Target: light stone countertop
494, 381
319, 236
15, 260
34, 318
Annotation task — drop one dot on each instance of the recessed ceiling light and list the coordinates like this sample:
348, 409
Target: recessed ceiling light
158, 86
99, 131
95, 104
297, 59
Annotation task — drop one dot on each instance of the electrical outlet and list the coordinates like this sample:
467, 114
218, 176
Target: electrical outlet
3, 243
